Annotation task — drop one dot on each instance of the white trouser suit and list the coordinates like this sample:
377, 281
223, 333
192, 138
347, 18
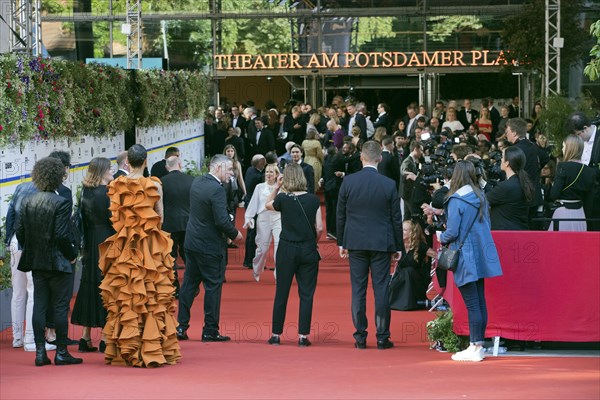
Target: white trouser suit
268, 225
21, 307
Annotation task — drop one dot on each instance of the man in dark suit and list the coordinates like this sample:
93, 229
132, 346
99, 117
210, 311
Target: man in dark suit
579, 124
467, 115
123, 167
295, 125
237, 120
514, 110
383, 119
408, 175
389, 165
494, 115
516, 133
255, 174
262, 140
205, 245
176, 201
159, 168
369, 232
297, 154
357, 119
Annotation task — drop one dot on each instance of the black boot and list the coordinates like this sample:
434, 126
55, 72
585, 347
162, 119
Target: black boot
63, 357
41, 358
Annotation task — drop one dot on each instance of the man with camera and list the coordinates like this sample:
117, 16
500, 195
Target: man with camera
408, 176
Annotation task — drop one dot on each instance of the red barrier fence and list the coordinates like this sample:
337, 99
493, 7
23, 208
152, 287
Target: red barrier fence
550, 289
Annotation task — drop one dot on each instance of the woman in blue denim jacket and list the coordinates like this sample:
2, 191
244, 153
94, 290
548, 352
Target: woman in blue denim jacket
466, 207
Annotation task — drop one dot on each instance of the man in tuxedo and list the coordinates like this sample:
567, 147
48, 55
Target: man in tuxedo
237, 121
411, 121
297, 152
467, 115
369, 232
350, 162
159, 168
357, 119
494, 115
176, 201
408, 175
122, 165
263, 140
516, 133
295, 125
389, 163
513, 110
205, 245
383, 119
579, 124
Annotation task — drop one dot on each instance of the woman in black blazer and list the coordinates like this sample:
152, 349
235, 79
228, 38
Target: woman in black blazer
509, 200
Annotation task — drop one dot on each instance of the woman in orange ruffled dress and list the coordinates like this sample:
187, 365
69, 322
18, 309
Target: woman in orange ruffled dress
137, 288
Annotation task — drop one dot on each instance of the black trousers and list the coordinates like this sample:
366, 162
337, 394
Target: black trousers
331, 199
178, 241
301, 260
250, 245
378, 262
51, 288
208, 269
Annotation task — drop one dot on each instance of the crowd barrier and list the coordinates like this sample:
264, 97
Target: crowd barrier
549, 290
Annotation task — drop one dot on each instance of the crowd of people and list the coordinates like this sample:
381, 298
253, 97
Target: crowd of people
388, 187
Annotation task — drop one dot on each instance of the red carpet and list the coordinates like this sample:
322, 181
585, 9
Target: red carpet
331, 369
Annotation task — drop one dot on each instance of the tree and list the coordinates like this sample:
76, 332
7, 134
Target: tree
592, 70
524, 35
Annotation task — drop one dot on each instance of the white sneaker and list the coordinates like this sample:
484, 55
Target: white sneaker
472, 353
256, 276
31, 347
17, 343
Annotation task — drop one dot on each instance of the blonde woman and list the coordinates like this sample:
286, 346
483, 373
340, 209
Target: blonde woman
297, 254
573, 187
313, 153
268, 222
484, 123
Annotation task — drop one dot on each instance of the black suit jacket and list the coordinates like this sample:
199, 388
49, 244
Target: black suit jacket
176, 200
595, 159
509, 210
209, 224
368, 213
119, 173
462, 117
159, 169
513, 111
495, 118
384, 120
389, 166
294, 135
253, 178
266, 142
309, 174
361, 122
532, 167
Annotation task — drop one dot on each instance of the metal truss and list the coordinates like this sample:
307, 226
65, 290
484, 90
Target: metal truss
133, 22
553, 44
26, 27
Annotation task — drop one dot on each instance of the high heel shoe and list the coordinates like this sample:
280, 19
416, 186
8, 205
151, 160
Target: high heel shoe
102, 346
85, 346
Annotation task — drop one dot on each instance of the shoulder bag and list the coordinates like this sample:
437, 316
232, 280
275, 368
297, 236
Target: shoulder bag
448, 258
312, 227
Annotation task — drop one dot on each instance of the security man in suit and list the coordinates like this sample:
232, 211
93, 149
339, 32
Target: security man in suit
176, 201
205, 245
369, 233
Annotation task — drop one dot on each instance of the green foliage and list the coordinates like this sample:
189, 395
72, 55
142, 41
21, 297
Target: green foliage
192, 168
592, 70
46, 98
558, 108
5, 272
370, 28
524, 34
447, 25
440, 330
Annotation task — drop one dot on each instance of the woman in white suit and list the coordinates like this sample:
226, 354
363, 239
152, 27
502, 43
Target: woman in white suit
268, 223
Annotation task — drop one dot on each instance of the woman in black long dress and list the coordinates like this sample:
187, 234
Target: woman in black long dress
88, 309
297, 253
414, 269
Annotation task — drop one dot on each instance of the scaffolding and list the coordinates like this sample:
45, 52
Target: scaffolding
25, 27
133, 29
553, 43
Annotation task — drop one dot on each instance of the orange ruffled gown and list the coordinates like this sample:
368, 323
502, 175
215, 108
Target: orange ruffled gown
137, 288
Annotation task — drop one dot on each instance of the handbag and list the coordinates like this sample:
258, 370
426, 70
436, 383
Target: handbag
448, 258
312, 227
396, 284
77, 223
